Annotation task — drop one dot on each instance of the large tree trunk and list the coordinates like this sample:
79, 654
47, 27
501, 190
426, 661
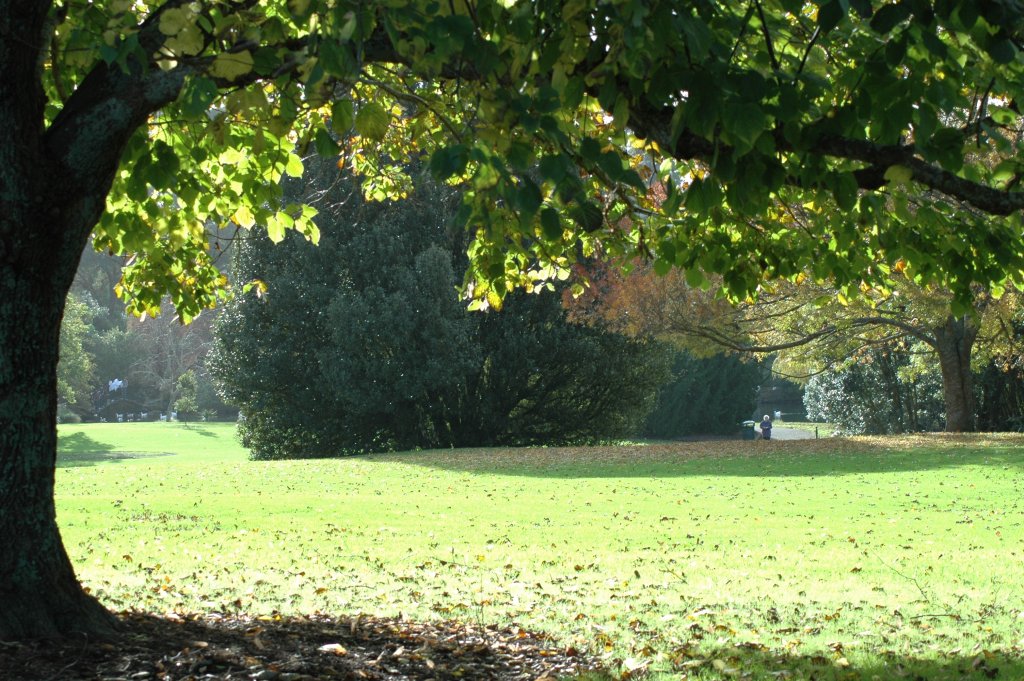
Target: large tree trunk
954, 341
53, 186
39, 594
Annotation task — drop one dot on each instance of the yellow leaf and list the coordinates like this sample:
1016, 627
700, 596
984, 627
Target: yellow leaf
231, 156
334, 649
244, 217
231, 66
275, 229
494, 300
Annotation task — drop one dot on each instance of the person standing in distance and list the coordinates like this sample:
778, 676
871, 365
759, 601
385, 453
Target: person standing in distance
766, 427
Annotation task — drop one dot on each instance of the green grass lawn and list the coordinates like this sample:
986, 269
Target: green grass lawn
831, 559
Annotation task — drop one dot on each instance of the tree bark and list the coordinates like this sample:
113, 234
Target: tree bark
53, 186
954, 341
42, 223
39, 593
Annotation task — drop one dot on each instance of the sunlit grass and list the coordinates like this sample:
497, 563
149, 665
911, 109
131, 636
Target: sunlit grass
832, 559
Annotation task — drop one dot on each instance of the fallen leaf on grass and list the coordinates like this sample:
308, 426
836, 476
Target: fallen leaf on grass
334, 649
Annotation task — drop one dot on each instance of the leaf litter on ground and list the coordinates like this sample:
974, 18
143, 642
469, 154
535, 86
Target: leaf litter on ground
312, 648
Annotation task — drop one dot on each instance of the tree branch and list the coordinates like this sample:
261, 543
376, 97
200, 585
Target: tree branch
656, 124
767, 36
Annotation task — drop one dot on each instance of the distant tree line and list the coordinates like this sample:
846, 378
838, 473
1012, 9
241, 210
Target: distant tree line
112, 363
895, 388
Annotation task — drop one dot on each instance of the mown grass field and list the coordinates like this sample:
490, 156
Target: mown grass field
830, 559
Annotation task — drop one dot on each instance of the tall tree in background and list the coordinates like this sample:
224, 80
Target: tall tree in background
171, 350
357, 344
884, 388
76, 370
155, 119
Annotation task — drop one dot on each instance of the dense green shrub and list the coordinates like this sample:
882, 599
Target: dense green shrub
363, 344
707, 395
1000, 398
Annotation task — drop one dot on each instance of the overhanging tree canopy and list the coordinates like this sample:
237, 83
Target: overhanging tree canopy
893, 126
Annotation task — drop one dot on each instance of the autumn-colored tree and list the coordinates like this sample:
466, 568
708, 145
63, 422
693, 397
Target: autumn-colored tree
811, 326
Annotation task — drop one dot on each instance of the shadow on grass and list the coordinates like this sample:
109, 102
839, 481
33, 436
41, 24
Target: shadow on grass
315, 647
78, 449
800, 458
753, 662
76, 460
365, 647
199, 429
80, 443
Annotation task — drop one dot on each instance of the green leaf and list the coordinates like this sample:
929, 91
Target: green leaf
1003, 115
293, 168
188, 41
519, 156
325, 144
449, 161
300, 9
243, 217
1002, 51
528, 197
173, 20
862, 7
231, 66
551, 224
486, 175
553, 167
275, 229
611, 164
845, 191
888, 16
898, 174
673, 199
590, 149
830, 14
588, 215
198, 96
337, 59
934, 44
621, 112
744, 122
696, 279
341, 116
372, 121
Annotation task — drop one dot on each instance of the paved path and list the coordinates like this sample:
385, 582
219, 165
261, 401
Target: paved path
783, 433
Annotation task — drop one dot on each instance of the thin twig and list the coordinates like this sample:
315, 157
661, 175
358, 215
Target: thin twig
924, 594
767, 36
807, 52
743, 31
